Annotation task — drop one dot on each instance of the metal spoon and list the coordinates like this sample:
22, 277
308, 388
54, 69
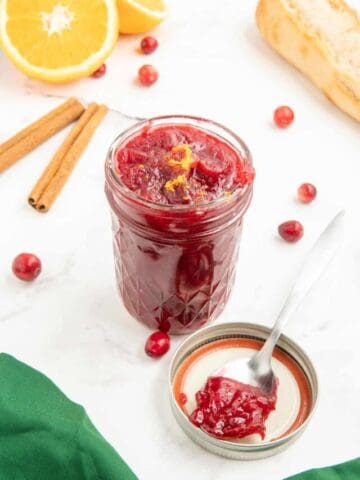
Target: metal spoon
257, 370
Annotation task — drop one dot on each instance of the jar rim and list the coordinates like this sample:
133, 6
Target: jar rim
237, 144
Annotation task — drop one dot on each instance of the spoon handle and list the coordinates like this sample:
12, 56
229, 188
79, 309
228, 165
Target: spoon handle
315, 263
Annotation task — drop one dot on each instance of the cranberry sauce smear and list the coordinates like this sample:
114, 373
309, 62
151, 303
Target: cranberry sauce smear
229, 409
181, 164
178, 194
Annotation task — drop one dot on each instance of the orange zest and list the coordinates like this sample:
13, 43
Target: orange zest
175, 182
187, 160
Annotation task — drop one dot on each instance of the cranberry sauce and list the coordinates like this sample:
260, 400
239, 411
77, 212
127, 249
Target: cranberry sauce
230, 409
181, 165
178, 195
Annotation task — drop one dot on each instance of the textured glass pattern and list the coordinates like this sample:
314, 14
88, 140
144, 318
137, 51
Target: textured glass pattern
175, 264
177, 287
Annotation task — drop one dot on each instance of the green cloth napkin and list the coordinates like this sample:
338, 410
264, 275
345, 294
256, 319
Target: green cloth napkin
345, 471
45, 436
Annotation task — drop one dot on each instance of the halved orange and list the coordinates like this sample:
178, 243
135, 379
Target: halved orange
140, 16
58, 40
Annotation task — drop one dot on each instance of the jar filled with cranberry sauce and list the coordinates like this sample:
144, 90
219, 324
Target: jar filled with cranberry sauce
178, 188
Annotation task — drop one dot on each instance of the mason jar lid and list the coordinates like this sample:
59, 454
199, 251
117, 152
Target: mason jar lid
297, 393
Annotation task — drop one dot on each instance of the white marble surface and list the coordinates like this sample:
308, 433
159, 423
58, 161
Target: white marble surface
70, 323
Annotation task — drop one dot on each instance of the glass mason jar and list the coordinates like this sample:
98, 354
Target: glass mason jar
175, 264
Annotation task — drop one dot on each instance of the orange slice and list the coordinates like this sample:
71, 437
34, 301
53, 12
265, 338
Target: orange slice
139, 16
58, 40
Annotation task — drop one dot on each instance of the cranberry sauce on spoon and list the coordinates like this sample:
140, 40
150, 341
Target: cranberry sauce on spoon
226, 409
229, 409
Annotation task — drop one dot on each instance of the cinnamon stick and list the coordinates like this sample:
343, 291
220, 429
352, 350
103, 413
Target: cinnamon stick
69, 161
55, 163
36, 133
38, 123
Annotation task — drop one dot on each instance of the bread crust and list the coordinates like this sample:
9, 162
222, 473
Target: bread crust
303, 47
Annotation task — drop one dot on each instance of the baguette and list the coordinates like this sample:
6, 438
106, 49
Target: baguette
322, 39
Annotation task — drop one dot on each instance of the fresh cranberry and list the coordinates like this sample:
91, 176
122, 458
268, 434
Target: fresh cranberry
283, 116
306, 193
26, 266
148, 75
148, 45
195, 270
291, 231
212, 168
157, 344
100, 72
